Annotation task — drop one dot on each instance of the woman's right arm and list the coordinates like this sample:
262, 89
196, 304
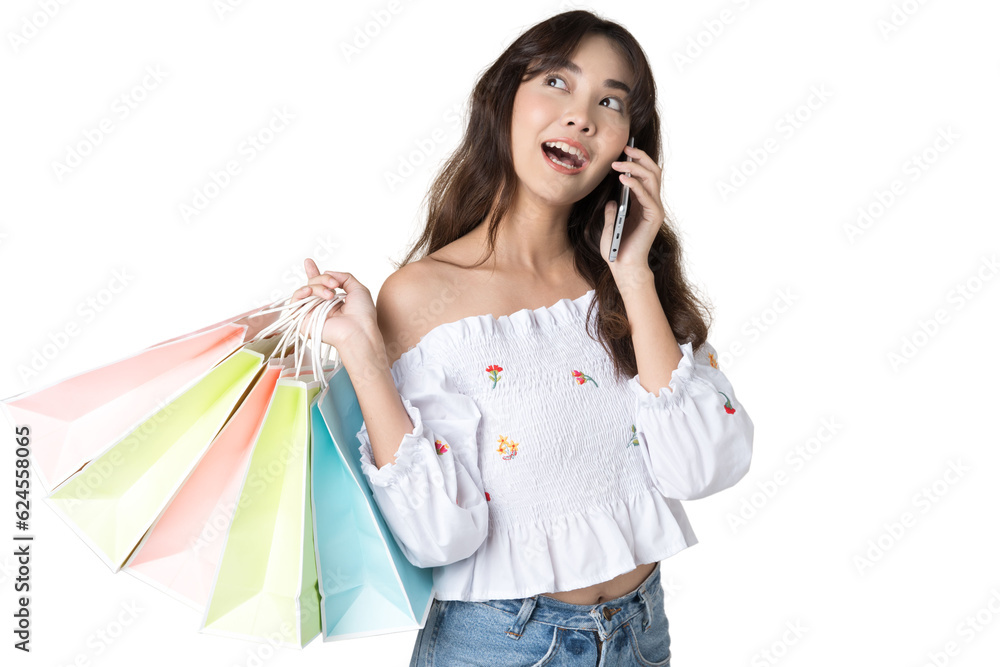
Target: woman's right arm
371, 376
418, 436
353, 329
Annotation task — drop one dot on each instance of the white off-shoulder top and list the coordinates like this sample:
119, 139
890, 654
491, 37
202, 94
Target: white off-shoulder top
532, 469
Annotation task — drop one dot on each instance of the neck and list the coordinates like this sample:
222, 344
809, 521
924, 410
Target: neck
532, 242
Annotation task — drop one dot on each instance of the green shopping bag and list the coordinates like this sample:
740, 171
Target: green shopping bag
265, 586
113, 500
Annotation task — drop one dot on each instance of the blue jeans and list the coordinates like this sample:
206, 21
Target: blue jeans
539, 630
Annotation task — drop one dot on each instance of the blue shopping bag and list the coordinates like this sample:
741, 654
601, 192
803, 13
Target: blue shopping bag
367, 586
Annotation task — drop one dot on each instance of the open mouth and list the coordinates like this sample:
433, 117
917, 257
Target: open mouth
563, 158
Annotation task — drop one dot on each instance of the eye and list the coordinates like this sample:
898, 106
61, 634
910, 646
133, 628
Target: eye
621, 105
553, 77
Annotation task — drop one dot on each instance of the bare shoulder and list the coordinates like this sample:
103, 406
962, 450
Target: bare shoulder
402, 305
440, 288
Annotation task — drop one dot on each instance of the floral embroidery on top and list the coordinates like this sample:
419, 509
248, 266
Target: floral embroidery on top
729, 406
581, 378
633, 439
487, 495
712, 360
440, 446
507, 449
494, 371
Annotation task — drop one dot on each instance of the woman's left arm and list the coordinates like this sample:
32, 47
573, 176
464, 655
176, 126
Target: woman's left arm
696, 437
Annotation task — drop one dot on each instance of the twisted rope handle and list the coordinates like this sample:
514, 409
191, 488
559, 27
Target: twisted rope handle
312, 311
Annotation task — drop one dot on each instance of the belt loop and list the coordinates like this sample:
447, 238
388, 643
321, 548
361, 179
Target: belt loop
527, 606
648, 613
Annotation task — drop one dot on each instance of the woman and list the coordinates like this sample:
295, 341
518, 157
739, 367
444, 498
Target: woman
536, 467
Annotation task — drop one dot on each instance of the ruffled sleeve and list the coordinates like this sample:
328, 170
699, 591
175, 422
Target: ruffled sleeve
697, 439
432, 497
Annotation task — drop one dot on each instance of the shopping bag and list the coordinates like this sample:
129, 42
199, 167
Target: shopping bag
366, 585
265, 587
232, 452
114, 499
74, 419
181, 551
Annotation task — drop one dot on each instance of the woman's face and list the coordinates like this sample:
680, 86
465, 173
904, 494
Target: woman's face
584, 109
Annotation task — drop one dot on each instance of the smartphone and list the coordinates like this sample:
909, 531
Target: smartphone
622, 212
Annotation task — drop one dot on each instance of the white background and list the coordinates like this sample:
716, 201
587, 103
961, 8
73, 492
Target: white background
814, 314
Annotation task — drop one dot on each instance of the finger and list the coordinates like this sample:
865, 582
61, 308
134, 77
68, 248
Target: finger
347, 281
315, 290
642, 158
610, 212
634, 183
638, 155
639, 170
641, 181
609, 224
634, 169
324, 279
638, 191
301, 293
311, 269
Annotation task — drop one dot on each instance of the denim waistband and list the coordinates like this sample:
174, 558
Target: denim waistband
604, 618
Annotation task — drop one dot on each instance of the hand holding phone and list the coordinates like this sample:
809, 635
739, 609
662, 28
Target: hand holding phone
622, 211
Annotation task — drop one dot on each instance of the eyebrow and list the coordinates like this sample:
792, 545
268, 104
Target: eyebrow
608, 83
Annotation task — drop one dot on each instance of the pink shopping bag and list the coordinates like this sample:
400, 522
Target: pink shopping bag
180, 553
75, 419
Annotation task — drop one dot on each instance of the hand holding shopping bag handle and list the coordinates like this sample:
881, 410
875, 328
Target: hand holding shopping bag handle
350, 317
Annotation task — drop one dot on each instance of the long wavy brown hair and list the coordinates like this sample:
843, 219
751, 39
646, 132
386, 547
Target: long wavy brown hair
479, 180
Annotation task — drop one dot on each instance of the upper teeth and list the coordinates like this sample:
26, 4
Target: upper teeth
563, 146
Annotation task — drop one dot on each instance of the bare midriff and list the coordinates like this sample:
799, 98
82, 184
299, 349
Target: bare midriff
607, 590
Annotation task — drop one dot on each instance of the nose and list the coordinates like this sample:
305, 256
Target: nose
577, 116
